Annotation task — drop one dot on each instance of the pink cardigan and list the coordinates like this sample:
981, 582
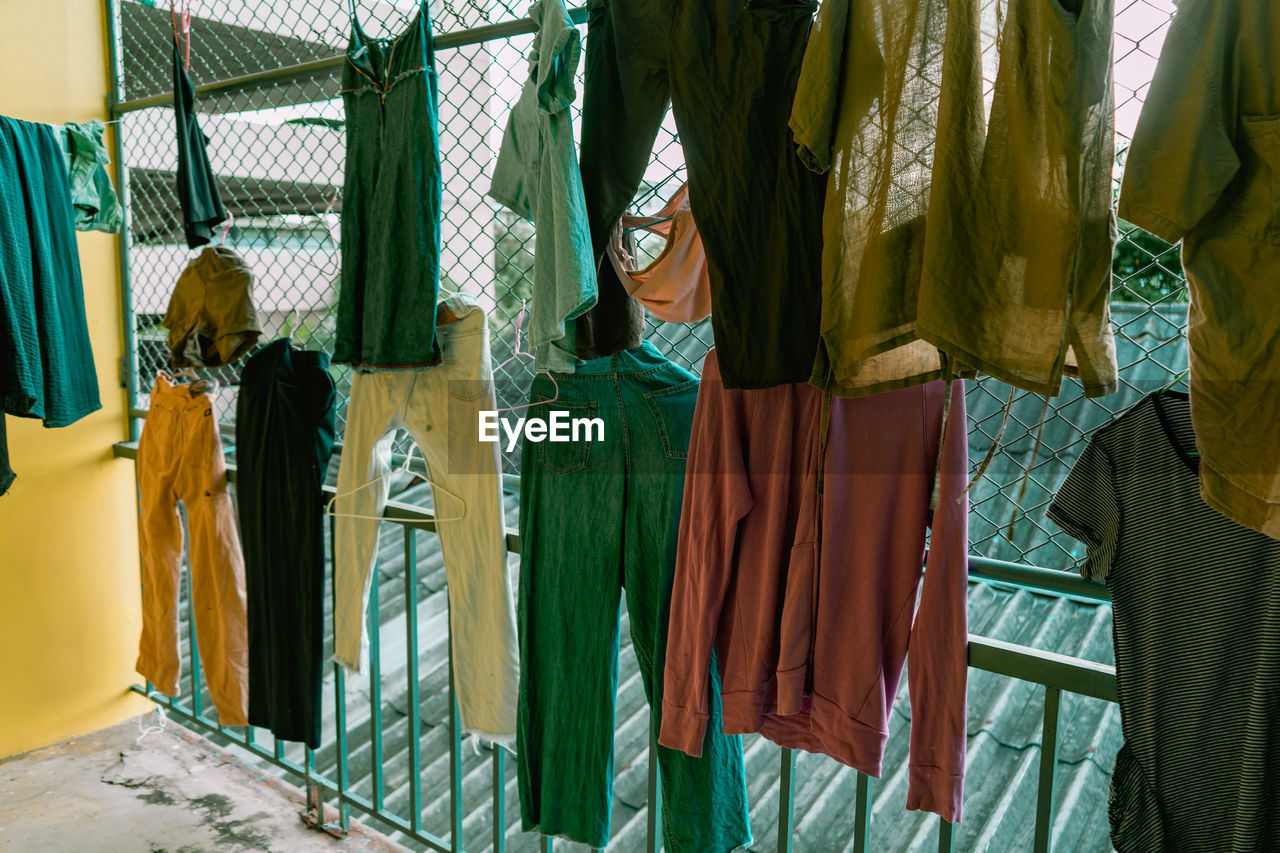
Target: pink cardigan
807, 585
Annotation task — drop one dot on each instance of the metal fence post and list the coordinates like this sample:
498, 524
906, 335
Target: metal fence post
1048, 763
862, 813
411, 655
786, 801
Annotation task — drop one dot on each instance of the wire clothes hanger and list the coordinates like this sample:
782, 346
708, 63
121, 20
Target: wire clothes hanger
331, 510
1181, 376
520, 352
170, 375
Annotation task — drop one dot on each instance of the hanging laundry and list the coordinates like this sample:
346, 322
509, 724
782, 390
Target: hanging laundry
728, 69
799, 571
1204, 167
598, 518
202, 210
537, 176
46, 362
6, 473
985, 239
391, 200
675, 286
440, 409
1195, 602
92, 195
211, 318
286, 423
180, 459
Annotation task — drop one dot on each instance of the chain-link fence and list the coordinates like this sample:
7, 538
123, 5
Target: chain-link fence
277, 147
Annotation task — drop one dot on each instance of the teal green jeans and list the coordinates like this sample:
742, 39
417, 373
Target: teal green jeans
598, 518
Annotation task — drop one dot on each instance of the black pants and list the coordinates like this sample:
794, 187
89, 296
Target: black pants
729, 69
286, 419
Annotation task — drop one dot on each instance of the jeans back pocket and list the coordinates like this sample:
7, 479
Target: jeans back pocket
564, 456
672, 409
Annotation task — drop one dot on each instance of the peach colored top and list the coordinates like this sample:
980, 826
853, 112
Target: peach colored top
675, 286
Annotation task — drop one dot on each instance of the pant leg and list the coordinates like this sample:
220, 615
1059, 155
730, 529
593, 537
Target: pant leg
570, 577
257, 450
704, 800
734, 71
442, 415
361, 491
160, 540
217, 566
624, 100
285, 425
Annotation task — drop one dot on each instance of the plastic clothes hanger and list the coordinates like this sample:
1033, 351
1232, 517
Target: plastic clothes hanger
185, 17
520, 352
226, 229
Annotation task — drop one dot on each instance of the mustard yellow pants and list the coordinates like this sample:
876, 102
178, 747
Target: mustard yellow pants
180, 459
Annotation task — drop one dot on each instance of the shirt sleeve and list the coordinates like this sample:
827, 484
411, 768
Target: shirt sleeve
717, 496
938, 649
813, 112
557, 68
1183, 154
1086, 507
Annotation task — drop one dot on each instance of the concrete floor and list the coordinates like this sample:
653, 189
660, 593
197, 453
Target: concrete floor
170, 792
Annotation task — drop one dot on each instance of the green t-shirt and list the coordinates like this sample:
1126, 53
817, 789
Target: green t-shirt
537, 177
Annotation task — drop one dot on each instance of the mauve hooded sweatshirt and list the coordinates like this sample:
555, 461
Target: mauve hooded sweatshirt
806, 579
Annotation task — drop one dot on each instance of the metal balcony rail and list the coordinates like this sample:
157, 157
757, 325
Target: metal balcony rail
1055, 673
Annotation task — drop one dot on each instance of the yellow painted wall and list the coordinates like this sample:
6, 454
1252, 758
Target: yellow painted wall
69, 594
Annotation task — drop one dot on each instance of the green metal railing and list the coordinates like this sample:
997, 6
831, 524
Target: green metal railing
1055, 672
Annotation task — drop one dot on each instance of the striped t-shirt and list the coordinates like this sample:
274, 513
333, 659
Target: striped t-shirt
1196, 606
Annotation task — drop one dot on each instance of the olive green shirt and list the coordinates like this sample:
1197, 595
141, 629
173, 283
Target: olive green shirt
957, 227
1205, 167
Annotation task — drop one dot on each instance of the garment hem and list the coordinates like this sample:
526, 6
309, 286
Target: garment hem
1150, 221
506, 741
1050, 387
55, 423
1223, 495
826, 729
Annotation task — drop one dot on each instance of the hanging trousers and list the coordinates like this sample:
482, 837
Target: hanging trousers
598, 518
180, 459
440, 408
286, 421
728, 69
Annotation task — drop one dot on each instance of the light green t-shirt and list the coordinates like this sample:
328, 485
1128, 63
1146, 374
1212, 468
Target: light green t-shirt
537, 177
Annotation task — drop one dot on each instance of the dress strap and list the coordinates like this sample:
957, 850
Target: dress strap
355, 19
424, 15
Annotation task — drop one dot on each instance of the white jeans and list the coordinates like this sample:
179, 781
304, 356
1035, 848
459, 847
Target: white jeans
439, 406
